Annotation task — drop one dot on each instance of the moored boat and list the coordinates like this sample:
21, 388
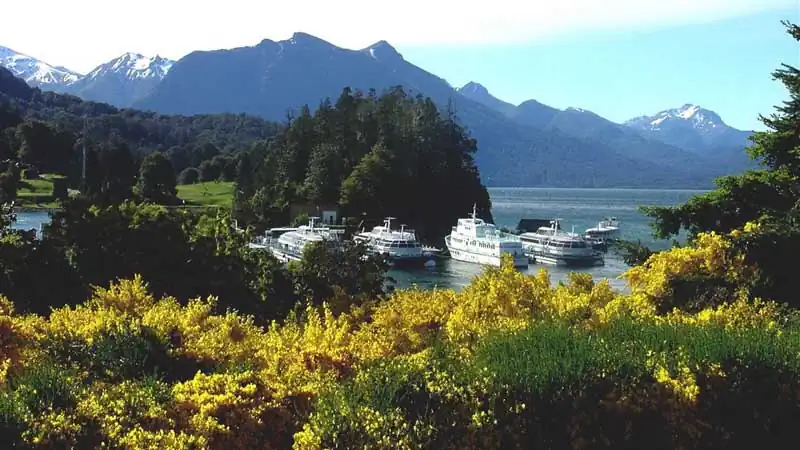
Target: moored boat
288, 244
475, 241
551, 245
400, 247
606, 231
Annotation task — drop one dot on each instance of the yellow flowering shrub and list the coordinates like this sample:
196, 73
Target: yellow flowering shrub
510, 361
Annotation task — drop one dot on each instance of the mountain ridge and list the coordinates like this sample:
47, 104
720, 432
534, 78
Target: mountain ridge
36, 72
123, 80
530, 144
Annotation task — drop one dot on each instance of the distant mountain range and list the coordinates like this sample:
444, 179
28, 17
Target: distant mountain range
530, 144
119, 82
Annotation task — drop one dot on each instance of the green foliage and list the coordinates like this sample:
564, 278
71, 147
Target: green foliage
157, 180
327, 273
632, 253
34, 273
181, 253
8, 186
212, 193
45, 147
770, 196
189, 175
301, 219
49, 130
551, 386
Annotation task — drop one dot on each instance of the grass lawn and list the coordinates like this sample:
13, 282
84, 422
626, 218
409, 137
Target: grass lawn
211, 193
37, 193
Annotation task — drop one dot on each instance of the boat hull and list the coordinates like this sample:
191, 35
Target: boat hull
566, 260
283, 256
520, 260
410, 261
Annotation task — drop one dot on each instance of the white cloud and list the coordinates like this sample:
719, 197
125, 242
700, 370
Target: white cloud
83, 33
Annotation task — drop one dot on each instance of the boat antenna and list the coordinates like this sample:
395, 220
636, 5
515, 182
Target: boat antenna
474, 211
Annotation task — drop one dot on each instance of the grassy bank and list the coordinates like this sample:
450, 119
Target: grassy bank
38, 194
211, 193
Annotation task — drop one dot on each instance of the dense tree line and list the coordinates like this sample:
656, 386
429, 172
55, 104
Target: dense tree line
178, 252
374, 156
48, 131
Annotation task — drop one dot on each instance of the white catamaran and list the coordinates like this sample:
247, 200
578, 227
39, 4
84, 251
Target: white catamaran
475, 241
400, 246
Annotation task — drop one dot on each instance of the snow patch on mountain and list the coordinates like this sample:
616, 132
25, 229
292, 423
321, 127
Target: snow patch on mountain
134, 66
35, 72
687, 115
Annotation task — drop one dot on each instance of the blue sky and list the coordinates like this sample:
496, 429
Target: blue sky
618, 58
724, 66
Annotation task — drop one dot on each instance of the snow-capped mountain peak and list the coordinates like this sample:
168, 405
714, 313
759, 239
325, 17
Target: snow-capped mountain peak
35, 72
134, 66
688, 115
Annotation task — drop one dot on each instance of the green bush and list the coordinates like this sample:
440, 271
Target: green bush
555, 387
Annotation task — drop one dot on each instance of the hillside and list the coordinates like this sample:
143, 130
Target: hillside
187, 140
269, 78
530, 144
690, 127
718, 150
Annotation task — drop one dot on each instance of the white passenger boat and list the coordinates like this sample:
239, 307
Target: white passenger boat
401, 247
475, 241
288, 244
551, 245
606, 231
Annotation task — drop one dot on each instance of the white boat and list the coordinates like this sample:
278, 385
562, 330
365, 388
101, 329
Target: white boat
401, 247
551, 245
288, 244
475, 241
605, 232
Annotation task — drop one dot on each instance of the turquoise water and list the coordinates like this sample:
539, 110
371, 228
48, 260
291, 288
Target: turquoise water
581, 208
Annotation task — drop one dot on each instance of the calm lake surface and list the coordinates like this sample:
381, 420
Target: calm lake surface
581, 208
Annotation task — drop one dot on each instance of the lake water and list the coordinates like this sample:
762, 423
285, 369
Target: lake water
581, 208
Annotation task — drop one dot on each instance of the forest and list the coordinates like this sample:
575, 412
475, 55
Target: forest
372, 156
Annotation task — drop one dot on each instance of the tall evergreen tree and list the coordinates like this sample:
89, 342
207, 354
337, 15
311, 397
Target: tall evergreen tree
324, 174
157, 179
